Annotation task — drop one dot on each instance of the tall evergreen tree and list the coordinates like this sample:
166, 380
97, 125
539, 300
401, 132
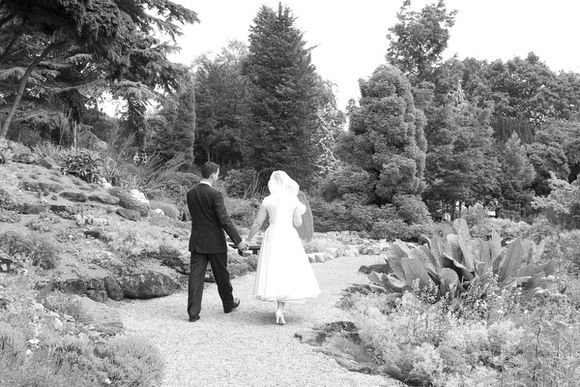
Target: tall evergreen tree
386, 136
222, 108
516, 179
283, 96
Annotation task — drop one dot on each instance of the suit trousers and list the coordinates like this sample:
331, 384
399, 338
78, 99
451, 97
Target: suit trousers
198, 268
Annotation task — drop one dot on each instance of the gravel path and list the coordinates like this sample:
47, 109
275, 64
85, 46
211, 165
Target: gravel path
246, 348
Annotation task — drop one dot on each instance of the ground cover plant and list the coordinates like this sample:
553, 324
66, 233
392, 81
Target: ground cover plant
463, 311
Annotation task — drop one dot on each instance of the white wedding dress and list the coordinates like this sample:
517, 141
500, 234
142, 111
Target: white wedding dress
284, 272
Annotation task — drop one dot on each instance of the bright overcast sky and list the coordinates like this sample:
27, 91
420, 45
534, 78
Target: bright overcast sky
350, 36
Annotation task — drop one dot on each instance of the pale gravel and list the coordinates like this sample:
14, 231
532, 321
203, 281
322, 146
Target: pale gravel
246, 348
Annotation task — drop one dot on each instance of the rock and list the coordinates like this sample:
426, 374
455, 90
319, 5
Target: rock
238, 269
114, 290
253, 261
320, 257
65, 212
17, 147
332, 251
177, 262
104, 198
157, 211
47, 162
104, 318
24, 158
97, 295
144, 284
41, 186
319, 334
31, 209
129, 214
74, 196
379, 268
351, 252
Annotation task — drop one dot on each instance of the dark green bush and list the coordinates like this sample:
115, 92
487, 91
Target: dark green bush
82, 163
345, 180
239, 183
341, 215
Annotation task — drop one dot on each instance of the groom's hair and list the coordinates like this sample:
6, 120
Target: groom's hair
208, 168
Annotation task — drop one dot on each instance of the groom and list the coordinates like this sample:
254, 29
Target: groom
207, 243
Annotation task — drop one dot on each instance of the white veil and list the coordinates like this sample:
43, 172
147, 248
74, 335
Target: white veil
280, 182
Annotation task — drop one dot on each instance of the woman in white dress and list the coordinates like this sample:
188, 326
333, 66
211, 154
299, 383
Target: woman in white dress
284, 273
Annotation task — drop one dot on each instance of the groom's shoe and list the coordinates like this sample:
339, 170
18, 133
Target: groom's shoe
234, 306
194, 318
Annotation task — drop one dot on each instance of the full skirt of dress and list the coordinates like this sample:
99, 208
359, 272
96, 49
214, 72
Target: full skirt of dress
284, 272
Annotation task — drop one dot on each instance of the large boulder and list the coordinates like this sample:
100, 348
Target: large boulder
145, 284
104, 318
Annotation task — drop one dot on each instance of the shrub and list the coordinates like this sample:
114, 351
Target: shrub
411, 209
39, 249
126, 200
562, 205
48, 149
61, 303
82, 163
240, 183
12, 344
341, 215
242, 211
128, 361
348, 179
168, 209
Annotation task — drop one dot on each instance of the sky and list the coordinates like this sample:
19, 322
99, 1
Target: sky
349, 37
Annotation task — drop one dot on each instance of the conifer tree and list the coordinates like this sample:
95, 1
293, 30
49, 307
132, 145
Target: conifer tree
386, 136
283, 96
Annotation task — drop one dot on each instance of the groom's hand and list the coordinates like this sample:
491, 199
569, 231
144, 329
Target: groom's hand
242, 246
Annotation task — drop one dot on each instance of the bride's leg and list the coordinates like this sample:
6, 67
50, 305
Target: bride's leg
280, 313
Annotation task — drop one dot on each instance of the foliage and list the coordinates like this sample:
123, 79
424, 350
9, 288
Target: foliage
82, 163
418, 40
158, 178
240, 183
347, 214
129, 201
562, 205
517, 177
388, 120
222, 109
346, 179
283, 96
455, 263
169, 210
38, 250
128, 361
242, 211
65, 305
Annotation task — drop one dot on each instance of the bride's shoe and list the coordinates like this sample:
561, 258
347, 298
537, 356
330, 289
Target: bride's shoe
280, 318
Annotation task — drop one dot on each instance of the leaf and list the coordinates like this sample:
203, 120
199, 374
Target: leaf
463, 240
450, 263
495, 245
393, 284
394, 255
512, 261
423, 254
415, 269
449, 282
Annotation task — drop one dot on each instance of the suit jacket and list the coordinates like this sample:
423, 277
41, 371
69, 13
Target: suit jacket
209, 220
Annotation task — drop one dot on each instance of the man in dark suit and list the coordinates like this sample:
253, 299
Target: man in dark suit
207, 243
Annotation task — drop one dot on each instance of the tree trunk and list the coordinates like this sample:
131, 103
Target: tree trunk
22, 87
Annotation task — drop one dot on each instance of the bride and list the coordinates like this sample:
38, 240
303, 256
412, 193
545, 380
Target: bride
284, 273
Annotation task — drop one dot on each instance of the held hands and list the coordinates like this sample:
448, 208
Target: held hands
243, 245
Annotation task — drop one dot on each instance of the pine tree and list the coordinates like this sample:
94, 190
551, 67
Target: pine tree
283, 96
